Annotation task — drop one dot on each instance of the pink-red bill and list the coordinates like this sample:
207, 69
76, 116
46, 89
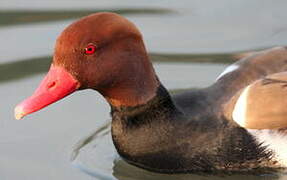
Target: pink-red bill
57, 84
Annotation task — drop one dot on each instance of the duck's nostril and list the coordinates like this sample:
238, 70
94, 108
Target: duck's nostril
51, 84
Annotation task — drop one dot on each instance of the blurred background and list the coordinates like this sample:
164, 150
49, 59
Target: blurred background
189, 41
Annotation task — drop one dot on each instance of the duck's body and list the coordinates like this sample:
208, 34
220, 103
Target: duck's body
196, 130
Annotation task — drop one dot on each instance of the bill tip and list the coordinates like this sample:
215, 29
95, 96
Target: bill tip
19, 113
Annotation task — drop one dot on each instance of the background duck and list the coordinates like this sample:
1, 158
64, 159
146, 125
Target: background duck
198, 130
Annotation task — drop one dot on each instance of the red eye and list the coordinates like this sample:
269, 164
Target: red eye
90, 49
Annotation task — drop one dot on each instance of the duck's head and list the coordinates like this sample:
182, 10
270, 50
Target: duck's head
102, 51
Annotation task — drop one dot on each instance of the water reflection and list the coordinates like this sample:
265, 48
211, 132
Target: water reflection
13, 17
23, 69
124, 171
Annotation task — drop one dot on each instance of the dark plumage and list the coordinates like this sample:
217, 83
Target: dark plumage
170, 137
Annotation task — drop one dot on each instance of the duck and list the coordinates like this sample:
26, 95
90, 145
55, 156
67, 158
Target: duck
236, 124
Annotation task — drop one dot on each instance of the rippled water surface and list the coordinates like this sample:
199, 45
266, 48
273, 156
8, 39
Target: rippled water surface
190, 42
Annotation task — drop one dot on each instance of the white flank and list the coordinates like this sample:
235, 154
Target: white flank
274, 141
239, 111
229, 69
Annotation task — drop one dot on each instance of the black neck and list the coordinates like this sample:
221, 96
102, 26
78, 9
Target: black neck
137, 130
160, 107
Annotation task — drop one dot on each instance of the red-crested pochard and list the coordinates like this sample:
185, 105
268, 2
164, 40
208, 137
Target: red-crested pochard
236, 124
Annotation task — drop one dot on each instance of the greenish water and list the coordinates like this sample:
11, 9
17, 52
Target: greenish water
14, 17
190, 43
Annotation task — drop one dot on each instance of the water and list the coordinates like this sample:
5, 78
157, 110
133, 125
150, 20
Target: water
177, 34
